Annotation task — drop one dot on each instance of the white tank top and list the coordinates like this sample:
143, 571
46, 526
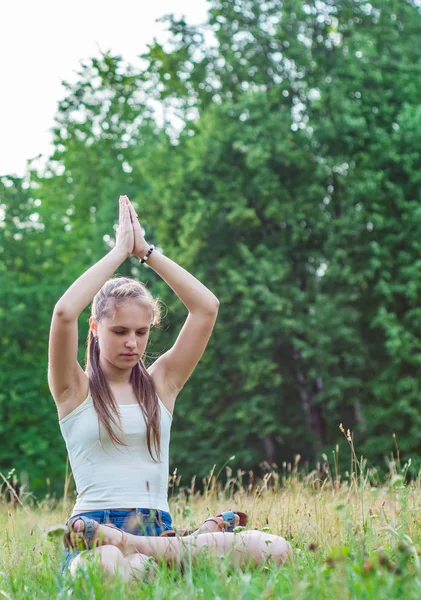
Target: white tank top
111, 476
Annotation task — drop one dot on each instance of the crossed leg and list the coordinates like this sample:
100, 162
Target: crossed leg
129, 554
136, 566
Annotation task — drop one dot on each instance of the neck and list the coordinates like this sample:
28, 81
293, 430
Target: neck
114, 375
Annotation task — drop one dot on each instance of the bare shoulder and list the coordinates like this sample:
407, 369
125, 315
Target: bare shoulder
68, 401
166, 391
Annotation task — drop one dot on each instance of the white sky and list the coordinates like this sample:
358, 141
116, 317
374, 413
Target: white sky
42, 43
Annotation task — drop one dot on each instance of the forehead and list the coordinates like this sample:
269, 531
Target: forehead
130, 314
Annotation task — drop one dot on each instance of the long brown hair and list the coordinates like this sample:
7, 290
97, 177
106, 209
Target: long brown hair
113, 293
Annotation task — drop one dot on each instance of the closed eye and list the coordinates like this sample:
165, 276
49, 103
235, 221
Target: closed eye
124, 331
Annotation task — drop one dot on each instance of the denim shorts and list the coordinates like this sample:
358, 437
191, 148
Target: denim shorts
139, 521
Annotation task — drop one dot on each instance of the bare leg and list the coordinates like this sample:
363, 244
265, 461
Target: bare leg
143, 567
240, 548
133, 567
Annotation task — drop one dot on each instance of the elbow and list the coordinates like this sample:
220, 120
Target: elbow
62, 312
206, 307
213, 306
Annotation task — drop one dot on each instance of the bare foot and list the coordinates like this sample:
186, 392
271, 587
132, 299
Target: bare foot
215, 524
103, 535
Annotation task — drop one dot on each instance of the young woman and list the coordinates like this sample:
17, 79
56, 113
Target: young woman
116, 416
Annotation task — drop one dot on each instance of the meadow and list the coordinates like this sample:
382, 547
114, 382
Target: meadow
354, 535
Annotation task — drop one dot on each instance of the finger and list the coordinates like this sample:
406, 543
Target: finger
133, 214
120, 212
127, 215
122, 223
123, 212
129, 206
126, 207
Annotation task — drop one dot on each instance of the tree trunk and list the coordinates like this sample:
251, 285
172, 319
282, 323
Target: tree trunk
313, 413
269, 449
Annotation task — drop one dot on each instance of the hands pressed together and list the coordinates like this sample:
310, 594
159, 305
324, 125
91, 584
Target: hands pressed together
129, 232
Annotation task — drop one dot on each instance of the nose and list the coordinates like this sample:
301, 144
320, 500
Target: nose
130, 342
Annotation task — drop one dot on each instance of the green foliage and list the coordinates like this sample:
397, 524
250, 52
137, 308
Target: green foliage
27, 419
306, 225
283, 173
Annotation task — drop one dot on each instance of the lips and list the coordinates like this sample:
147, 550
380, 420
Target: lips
130, 355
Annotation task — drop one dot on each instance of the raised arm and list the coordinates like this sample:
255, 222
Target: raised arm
65, 375
173, 368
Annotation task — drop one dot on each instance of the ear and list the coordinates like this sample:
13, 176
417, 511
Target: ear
93, 324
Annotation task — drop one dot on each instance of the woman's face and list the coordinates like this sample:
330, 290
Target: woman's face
124, 334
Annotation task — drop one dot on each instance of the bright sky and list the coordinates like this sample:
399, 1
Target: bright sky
42, 43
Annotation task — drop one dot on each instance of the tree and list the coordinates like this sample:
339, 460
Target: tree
285, 176
346, 88
27, 414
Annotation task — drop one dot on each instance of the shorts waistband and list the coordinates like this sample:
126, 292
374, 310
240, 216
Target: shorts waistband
108, 513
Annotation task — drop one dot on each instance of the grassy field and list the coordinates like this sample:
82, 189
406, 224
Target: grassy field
352, 537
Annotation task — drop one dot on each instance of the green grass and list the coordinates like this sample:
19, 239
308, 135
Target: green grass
350, 540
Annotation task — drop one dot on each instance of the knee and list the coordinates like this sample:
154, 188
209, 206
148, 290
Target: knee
76, 563
279, 551
111, 558
285, 552
266, 547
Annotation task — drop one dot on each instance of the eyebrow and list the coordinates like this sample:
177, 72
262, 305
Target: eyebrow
127, 328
